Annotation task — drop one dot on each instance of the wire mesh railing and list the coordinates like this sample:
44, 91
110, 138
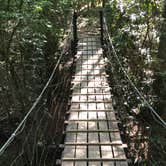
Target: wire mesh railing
35, 140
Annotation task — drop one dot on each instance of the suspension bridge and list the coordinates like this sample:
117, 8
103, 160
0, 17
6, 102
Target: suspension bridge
79, 132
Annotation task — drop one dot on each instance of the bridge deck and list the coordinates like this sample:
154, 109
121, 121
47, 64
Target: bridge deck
92, 133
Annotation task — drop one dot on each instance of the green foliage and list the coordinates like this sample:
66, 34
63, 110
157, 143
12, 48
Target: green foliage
30, 32
136, 27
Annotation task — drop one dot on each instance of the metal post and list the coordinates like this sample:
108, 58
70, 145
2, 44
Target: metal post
101, 28
75, 37
103, 3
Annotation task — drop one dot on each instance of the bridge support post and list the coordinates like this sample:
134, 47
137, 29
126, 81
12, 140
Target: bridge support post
103, 3
75, 36
101, 28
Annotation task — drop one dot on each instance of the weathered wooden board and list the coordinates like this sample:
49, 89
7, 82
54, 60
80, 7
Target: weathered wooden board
82, 137
81, 152
95, 163
106, 152
93, 137
80, 163
93, 152
70, 137
121, 163
69, 152
108, 163
67, 163
104, 137
118, 152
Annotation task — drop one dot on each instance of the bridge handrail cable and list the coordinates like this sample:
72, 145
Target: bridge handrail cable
20, 127
159, 119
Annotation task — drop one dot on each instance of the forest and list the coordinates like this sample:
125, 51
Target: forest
37, 48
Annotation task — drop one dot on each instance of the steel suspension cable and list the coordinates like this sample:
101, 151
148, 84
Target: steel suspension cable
162, 122
20, 126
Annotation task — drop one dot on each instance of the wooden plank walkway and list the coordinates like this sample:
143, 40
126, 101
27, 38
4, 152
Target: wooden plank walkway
92, 133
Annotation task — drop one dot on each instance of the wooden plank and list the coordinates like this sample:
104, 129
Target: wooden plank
108, 163
104, 137
99, 79
91, 64
82, 137
73, 115
77, 87
121, 163
82, 110
75, 106
111, 115
76, 98
115, 137
94, 163
90, 86
80, 163
108, 106
103, 125
84, 90
91, 97
99, 98
80, 69
83, 115
96, 101
113, 125
92, 48
67, 163
83, 98
95, 94
70, 137
85, 44
82, 125
92, 125
92, 130
88, 120
94, 159
103, 74
93, 152
92, 115
93, 137
92, 106
93, 143
106, 152
83, 106
81, 152
100, 106
118, 152
101, 115
91, 59
71, 126
69, 152
92, 90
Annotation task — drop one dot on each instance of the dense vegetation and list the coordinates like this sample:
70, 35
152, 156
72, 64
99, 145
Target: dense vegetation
31, 35
137, 29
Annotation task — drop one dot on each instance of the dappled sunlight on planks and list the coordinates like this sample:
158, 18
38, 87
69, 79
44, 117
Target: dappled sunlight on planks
92, 133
